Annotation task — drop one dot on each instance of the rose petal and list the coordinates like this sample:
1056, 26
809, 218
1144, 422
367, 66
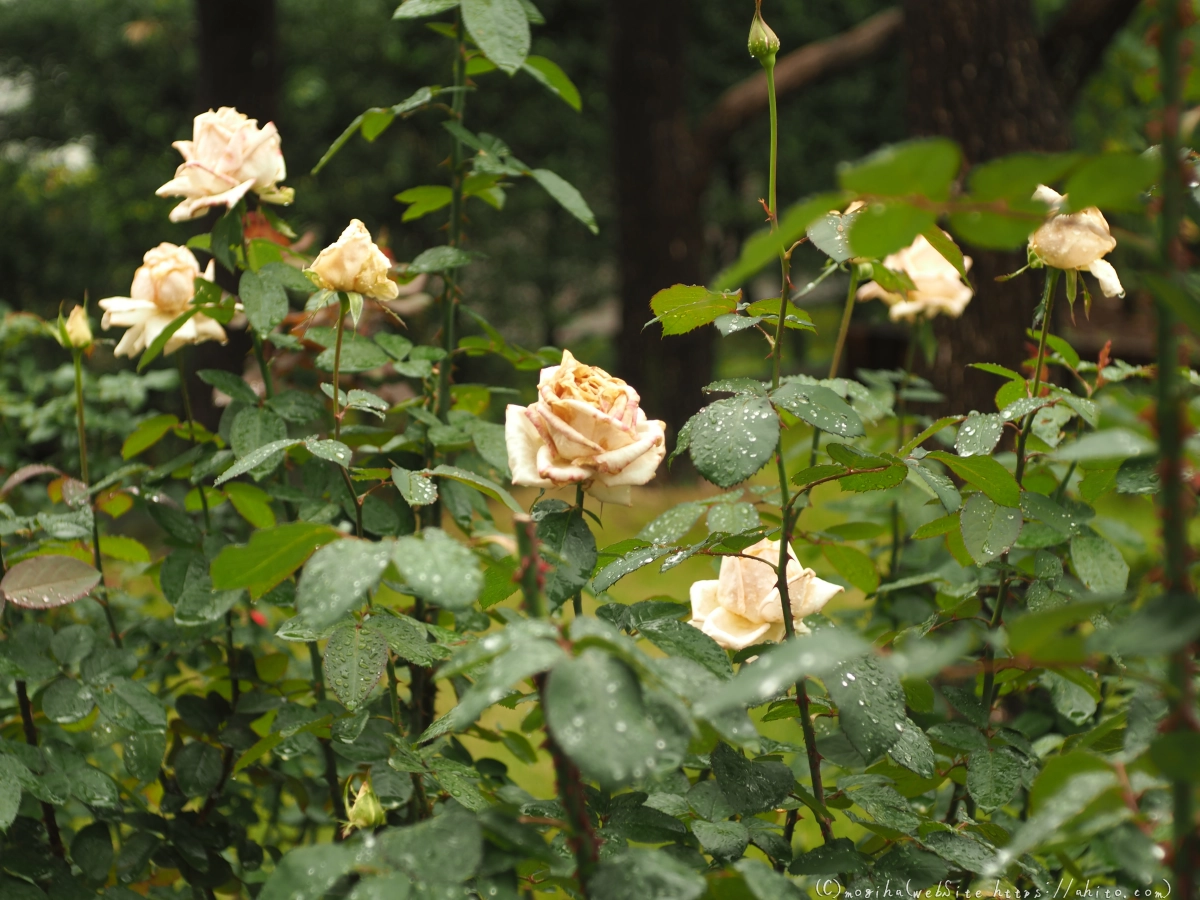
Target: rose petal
809, 594
703, 595
621, 495
732, 631
523, 443
1110, 282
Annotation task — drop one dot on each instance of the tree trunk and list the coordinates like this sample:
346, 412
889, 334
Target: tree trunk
239, 60
239, 67
975, 74
660, 229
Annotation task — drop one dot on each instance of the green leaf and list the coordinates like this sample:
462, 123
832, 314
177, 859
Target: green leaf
732, 439
781, 666
671, 526
924, 167
820, 407
272, 555
766, 884
441, 259
567, 196
988, 530
646, 875
1138, 476
732, 518
254, 428
884, 228
92, 851
913, 750
264, 299
44, 582
875, 481
725, 841
256, 458
887, 807
306, 873
554, 78
1175, 753
830, 235
355, 657
765, 246
524, 660
198, 603
979, 434
416, 488
838, 856
251, 503
407, 638
129, 705
594, 711
984, 473
676, 638
944, 244
484, 485
627, 563
424, 199
338, 577
228, 383
418, 9
358, 355
1113, 181
750, 786
147, 434
157, 345
684, 307
10, 790
1098, 564
870, 705
198, 769
66, 700
993, 777
568, 545
439, 569
501, 30
1017, 175
853, 565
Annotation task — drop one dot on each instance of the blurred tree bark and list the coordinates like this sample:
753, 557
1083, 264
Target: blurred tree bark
978, 73
236, 42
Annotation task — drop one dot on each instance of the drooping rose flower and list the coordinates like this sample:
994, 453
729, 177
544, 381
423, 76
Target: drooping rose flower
1076, 241
940, 289
163, 288
741, 606
586, 428
228, 156
353, 263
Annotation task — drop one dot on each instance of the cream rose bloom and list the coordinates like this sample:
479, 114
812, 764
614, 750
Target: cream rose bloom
163, 288
940, 289
354, 264
227, 156
1076, 241
741, 606
586, 428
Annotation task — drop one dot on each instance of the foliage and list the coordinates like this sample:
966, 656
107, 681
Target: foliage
344, 659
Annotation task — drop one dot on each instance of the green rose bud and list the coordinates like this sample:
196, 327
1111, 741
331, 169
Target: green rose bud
763, 43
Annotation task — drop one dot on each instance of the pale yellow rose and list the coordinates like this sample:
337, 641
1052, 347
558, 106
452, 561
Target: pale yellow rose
940, 289
354, 264
79, 331
1076, 241
163, 288
741, 607
228, 156
586, 428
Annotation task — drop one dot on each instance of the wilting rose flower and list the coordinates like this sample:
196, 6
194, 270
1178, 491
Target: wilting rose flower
79, 332
227, 156
163, 288
353, 263
1076, 241
741, 606
586, 428
940, 289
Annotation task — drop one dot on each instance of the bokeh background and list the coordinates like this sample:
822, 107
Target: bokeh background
666, 150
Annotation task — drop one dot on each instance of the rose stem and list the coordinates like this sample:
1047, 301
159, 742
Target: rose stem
187, 411
1171, 424
810, 741
83, 475
989, 649
578, 599
581, 838
343, 310
260, 356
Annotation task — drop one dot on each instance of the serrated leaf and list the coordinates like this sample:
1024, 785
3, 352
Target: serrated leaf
978, 435
734, 438
820, 407
683, 307
264, 299
993, 777
501, 30
567, 196
439, 569
984, 473
272, 555
988, 530
338, 577
870, 705
44, 582
1098, 564
354, 661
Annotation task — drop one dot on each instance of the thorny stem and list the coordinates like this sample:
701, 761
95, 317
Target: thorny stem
187, 411
343, 310
844, 327
31, 738
581, 838
989, 650
1171, 424
785, 500
331, 774
80, 424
